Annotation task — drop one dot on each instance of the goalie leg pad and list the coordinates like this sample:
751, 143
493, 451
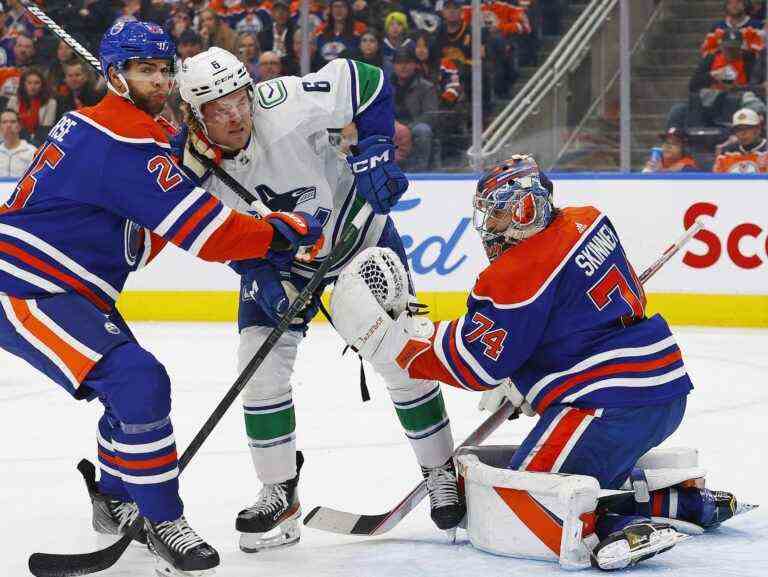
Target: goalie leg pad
270, 421
529, 515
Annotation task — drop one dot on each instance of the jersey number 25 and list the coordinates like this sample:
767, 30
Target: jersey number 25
49, 156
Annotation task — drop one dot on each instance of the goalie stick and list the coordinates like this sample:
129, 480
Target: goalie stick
342, 522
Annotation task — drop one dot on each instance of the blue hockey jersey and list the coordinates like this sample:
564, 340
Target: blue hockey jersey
100, 199
562, 315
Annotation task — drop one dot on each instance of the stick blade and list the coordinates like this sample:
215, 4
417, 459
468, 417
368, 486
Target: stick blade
341, 522
66, 565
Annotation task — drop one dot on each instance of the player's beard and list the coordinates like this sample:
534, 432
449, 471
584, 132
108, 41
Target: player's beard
152, 104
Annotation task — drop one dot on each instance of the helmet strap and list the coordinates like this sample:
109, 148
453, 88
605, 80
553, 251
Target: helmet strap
127, 93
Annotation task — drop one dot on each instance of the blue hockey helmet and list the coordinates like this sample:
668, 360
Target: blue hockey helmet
131, 40
513, 201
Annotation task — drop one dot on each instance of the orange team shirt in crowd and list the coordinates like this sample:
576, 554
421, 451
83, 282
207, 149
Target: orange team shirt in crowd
9, 81
358, 28
227, 7
738, 66
685, 162
735, 160
752, 40
507, 18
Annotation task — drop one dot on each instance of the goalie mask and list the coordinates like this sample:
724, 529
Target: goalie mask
513, 201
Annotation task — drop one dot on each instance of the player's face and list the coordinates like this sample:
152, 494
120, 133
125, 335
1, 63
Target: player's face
228, 119
149, 82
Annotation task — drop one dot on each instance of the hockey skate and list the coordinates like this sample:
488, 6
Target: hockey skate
719, 506
110, 516
272, 522
634, 543
447, 505
179, 551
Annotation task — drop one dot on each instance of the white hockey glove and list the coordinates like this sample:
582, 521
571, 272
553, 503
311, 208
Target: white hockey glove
492, 399
370, 291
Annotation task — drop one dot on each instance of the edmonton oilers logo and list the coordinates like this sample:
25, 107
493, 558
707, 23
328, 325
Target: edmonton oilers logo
134, 240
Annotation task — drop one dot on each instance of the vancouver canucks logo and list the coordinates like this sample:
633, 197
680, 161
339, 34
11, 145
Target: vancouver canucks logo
286, 201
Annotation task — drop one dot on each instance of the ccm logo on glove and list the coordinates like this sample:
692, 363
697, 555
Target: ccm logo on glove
366, 164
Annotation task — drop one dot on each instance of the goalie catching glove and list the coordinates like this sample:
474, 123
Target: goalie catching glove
369, 305
379, 180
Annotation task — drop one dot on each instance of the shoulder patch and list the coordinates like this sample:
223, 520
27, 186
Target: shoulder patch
271, 93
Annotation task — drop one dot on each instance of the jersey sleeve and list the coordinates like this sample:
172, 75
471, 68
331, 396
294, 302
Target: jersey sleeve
145, 185
341, 92
485, 346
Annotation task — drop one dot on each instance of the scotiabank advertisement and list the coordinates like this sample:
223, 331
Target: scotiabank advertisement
435, 220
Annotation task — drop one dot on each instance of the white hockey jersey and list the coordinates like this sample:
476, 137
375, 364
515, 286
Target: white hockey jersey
291, 163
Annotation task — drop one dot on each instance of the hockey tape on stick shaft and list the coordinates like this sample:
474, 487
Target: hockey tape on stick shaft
342, 522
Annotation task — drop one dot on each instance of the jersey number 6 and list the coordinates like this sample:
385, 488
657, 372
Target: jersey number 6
49, 156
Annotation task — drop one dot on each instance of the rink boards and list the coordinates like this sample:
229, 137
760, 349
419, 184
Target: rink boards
720, 279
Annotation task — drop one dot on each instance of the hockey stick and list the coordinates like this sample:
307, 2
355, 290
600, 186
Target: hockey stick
342, 522
65, 565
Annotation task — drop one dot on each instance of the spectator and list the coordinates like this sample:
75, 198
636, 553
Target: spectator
248, 51
375, 12
403, 143
675, 156
719, 81
55, 74
180, 22
156, 11
737, 17
6, 43
415, 101
189, 44
216, 32
34, 104
23, 51
278, 36
80, 90
340, 33
292, 65
15, 154
454, 39
9, 82
253, 18
17, 21
443, 72
270, 66
227, 9
750, 153
395, 28
370, 52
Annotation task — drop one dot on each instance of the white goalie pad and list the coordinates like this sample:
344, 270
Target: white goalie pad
528, 515
370, 291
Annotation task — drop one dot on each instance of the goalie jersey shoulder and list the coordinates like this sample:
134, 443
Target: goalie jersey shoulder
523, 272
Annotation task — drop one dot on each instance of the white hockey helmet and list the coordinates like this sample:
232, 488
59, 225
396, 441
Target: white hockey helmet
210, 75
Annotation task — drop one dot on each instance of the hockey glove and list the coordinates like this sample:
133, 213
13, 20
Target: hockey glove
493, 399
265, 281
298, 232
379, 180
196, 152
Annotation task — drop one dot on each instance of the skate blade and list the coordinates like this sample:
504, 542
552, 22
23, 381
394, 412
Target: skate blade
451, 534
165, 569
284, 535
619, 556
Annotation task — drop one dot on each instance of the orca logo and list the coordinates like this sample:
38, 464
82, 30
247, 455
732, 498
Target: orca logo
287, 201
111, 328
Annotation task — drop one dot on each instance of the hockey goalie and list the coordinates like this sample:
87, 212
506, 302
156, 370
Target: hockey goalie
556, 324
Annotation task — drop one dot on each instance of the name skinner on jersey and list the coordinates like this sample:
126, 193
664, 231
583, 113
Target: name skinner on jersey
597, 250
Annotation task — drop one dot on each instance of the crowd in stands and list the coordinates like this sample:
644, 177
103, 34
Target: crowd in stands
727, 99
424, 46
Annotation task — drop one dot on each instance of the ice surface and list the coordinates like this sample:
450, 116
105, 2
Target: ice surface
357, 459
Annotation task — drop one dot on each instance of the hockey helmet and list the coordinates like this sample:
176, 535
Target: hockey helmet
134, 40
513, 201
210, 75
